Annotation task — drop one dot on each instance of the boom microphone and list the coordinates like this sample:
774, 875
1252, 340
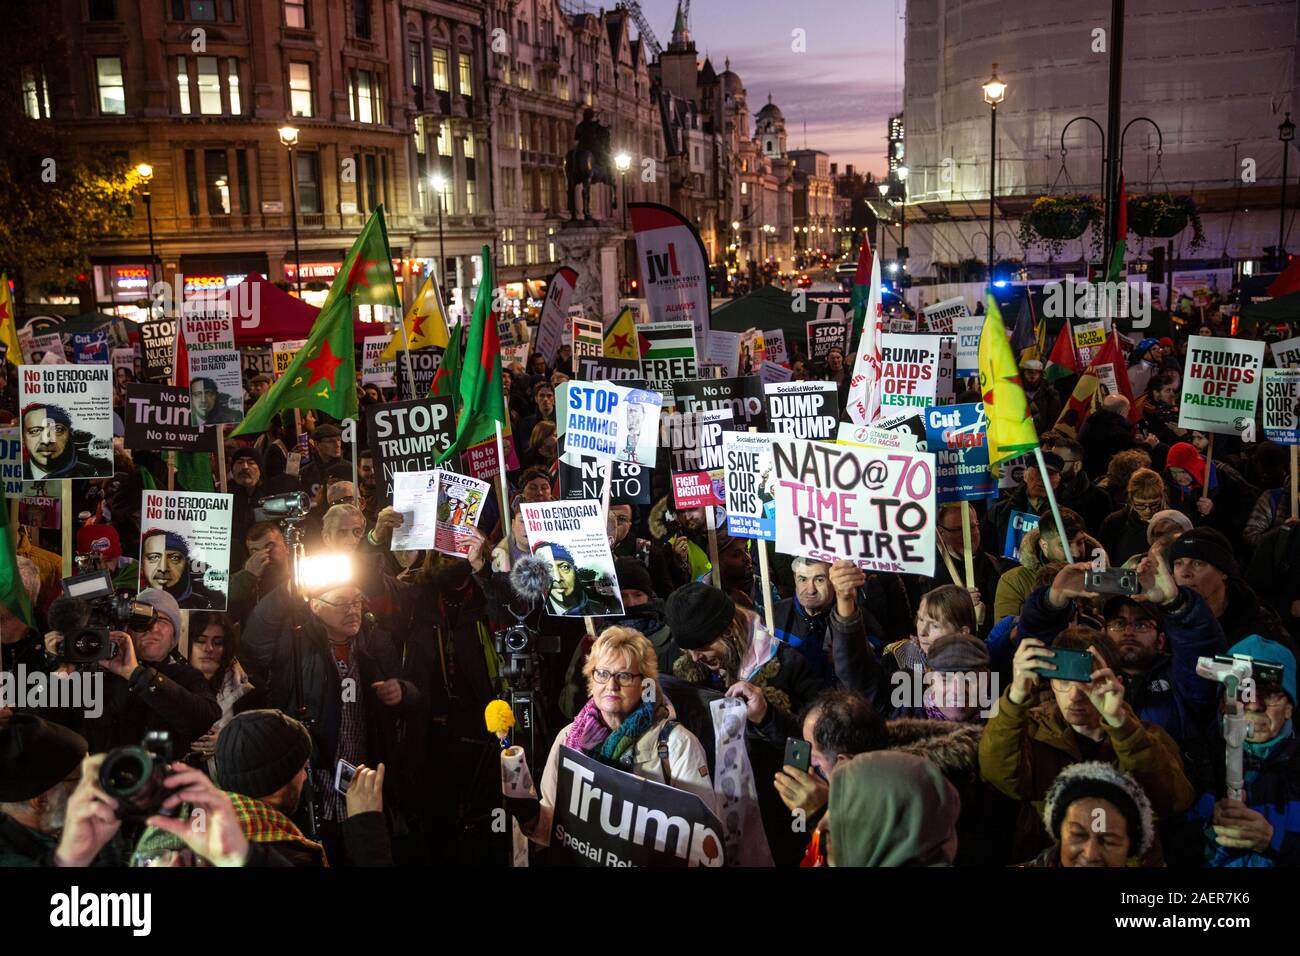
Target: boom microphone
530, 578
67, 615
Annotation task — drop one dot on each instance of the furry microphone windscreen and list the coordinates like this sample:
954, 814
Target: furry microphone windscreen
530, 578
67, 615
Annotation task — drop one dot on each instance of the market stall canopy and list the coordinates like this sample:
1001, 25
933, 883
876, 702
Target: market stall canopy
1284, 310
264, 313
766, 309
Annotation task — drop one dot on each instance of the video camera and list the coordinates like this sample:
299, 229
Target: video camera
87, 611
133, 776
290, 507
519, 646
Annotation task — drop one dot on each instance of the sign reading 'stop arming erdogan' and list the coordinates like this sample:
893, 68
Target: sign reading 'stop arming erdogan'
674, 267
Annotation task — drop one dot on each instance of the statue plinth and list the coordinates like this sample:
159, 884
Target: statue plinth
592, 248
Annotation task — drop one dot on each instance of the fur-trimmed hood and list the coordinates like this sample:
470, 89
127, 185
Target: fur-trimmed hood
950, 745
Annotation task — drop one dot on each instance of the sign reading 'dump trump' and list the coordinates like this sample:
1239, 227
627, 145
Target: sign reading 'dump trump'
607, 817
1220, 384
185, 546
803, 409
873, 507
409, 436
66, 422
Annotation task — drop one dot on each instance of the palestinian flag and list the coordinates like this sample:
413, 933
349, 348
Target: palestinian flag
666, 340
1062, 361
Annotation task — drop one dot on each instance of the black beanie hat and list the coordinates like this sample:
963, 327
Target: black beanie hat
1208, 545
697, 614
260, 751
633, 574
35, 755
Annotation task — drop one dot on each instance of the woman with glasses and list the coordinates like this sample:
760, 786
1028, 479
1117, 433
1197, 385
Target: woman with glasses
623, 723
1124, 532
212, 652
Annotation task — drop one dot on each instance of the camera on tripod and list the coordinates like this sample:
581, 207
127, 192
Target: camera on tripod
520, 646
134, 775
288, 508
87, 611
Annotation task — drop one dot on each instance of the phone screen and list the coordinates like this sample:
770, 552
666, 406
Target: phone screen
343, 774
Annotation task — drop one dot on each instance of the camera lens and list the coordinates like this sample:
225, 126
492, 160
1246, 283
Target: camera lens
134, 778
516, 640
88, 645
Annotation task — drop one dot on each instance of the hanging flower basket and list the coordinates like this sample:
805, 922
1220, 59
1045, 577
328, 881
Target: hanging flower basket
1053, 221
1164, 215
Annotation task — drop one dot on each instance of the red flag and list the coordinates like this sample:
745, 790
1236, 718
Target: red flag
1062, 361
1110, 354
1287, 282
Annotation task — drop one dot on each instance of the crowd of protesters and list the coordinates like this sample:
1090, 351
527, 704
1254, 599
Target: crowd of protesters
937, 735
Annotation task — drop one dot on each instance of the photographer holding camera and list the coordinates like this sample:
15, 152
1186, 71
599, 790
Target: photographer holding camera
148, 685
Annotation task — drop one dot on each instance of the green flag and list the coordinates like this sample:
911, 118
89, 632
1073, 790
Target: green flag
482, 401
12, 593
194, 471
448, 374
323, 373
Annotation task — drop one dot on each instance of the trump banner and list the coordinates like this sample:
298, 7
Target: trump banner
1220, 384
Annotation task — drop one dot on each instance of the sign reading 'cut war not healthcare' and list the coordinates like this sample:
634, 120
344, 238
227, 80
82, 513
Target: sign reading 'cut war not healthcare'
958, 435
874, 508
1220, 384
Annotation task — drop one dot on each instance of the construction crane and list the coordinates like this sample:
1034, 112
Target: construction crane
643, 26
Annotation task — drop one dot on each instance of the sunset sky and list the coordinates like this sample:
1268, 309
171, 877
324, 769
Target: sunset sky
844, 87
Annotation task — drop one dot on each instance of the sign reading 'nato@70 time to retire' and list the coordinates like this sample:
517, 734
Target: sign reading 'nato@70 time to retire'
873, 507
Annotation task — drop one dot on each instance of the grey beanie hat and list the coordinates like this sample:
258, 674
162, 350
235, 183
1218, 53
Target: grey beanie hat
1093, 778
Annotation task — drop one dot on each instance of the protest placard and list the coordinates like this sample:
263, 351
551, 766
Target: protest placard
482, 461
836, 305
158, 416
958, 437
777, 353
595, 368
967, 328
667, 353
750, 485
573, 538
41, 511
11, 462
89, 347
284, 353
658, 825
696, 489
36, 347
803, 409
1011, 472
824, 335
1220, 384
605, 420
216, 387
692, 441
373, 372
744, 396
588, 336
207, 324
753, 353
185, 546
123, 362
942, 316
628, 484
424, 365
67, 421
722, 352
415, 498
459, 503
1286, 352
555, 309
157, 350
945, 392
873, 436
257, 360
1089, 337
909, 370
771, 373
1019, 526
408, 437
875, 508
1282, 405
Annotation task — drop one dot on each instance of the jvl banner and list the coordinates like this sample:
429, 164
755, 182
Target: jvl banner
674, 267
874, 508
607, 817
1220, 384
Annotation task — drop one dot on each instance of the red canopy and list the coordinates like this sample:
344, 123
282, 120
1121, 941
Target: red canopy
278, 316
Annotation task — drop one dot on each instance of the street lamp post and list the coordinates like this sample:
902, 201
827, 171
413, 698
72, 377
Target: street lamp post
145, 172
903, 173
623, 162
1286, 133
439, 183
880, 226
995, 92
289, 139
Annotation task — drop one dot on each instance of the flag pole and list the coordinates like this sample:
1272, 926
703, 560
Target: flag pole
1051, 500
604, 507
765, 575
1209, 466
501, 487
65, 505
221, 457
967, 551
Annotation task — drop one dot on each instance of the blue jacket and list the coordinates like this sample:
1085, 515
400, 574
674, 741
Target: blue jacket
1274, 791
848, 663
1169, 694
